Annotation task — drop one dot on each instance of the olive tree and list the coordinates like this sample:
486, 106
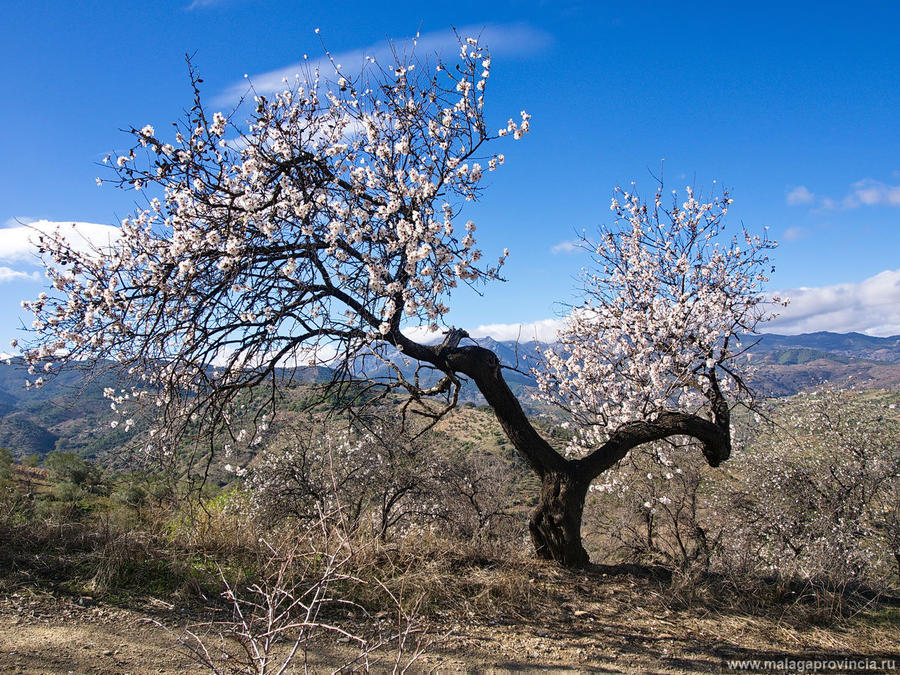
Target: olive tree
331, 224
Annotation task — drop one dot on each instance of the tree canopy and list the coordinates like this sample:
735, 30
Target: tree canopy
332, 223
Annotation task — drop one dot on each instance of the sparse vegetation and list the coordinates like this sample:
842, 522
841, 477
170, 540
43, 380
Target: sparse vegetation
79, 531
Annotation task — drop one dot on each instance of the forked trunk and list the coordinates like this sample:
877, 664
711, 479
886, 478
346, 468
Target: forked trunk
556, 521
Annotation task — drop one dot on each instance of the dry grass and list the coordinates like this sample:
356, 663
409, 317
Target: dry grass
491, 605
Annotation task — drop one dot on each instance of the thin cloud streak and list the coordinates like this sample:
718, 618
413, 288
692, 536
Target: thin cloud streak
205, 4
568, 246
8, 274
502, 39
18, 221
546, 330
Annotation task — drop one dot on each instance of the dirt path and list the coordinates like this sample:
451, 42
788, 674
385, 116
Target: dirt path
49, 635
611, 631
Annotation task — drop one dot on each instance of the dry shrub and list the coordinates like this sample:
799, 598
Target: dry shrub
656, 507
460, 579
804, 516
385, 483
306, 592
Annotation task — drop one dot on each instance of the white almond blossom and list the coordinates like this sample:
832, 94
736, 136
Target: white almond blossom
668, 307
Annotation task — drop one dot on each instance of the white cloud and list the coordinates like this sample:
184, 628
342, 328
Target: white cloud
502, 39
545, 330
423, 334
9, 274
865, 192
18, 242
869, 192
871, 306
569, 246
795, 233
800, 195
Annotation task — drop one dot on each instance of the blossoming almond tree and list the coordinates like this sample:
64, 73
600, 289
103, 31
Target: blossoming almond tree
655, 351
332, 225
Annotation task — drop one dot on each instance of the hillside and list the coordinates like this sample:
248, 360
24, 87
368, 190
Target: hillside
70, 413
852, 345
792, 363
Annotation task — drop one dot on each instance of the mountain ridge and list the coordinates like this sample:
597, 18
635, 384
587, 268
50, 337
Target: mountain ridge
69, 414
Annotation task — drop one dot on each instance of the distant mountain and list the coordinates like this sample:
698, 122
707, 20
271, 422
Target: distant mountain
786, 364
853, 345
70, 413
791, 363
518, 359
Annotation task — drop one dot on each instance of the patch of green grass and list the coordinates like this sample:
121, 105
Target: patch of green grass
886, 617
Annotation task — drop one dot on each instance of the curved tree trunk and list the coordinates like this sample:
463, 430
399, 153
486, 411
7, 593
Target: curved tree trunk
555, 523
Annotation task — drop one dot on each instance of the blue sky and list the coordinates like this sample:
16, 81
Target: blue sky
793, 106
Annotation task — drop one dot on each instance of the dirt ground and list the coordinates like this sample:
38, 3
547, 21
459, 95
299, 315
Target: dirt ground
612, 623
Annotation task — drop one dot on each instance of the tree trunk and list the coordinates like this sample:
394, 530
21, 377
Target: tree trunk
556, 521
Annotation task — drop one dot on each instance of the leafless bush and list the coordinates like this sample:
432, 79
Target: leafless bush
474, 497
377, 477
301, 597
384, 481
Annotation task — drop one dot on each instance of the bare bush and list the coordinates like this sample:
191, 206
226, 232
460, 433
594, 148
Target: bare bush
299, 601
378, 478
384, 481
475, 498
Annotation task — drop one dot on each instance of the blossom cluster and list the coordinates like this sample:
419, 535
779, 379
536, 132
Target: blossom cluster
667, 307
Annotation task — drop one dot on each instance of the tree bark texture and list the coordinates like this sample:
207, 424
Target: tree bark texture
555, 524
